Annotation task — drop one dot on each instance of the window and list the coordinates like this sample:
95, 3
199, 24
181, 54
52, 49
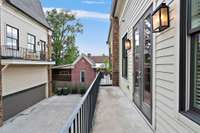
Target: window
189, 101
82, 76
195, 58
124, 58
12, 37
41, 46
31, 42
195, 14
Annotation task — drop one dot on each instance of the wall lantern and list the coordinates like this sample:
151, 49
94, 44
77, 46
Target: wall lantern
161, 18
128, 44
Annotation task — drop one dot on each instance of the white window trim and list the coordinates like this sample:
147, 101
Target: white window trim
81, 75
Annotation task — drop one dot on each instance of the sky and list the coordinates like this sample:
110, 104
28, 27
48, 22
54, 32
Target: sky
94, 15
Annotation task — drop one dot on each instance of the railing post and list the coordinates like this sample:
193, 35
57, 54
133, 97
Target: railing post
82, 118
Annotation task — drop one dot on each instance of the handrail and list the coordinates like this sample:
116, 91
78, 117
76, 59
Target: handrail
10, 52
81, 119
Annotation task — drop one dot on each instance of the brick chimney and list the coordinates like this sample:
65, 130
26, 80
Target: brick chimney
89, 54
115, 51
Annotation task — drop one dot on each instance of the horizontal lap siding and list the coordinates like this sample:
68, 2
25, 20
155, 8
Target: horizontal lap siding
165, 79
133, 11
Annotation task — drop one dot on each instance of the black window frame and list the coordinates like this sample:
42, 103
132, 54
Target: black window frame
29, 43
44, 45
124, 58
185, 32
82, 76
190, 29
16, 39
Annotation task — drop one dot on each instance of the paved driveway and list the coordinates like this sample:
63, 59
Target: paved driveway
48, 116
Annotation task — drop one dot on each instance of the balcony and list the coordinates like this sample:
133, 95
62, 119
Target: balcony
23, 55
105, 109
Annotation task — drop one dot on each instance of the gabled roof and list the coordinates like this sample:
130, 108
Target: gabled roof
86, 58
32, 8
99, 59
71, 66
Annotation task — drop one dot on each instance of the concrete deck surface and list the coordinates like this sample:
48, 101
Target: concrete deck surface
48, 116
116, 114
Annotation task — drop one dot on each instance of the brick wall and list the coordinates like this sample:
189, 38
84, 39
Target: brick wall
50, 91
83, 65
115, 51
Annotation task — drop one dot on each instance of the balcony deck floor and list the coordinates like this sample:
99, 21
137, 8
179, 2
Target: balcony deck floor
116, 114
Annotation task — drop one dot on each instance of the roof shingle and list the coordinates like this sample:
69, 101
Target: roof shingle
32, 8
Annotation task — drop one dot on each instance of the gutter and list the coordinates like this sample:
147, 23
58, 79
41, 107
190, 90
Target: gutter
114, 6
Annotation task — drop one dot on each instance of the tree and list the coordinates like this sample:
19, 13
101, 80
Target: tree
71, 54
65, 27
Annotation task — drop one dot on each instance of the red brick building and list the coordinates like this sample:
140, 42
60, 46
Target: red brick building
82, 71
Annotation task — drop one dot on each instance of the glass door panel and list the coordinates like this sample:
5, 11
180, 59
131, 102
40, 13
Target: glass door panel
142, 94
137, 68
147, 68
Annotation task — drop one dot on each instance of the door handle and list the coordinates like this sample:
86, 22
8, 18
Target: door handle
139, 75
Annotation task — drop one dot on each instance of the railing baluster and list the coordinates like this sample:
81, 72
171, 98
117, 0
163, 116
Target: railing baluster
81, 119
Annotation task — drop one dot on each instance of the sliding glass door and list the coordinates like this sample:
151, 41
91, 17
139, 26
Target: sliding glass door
142, 35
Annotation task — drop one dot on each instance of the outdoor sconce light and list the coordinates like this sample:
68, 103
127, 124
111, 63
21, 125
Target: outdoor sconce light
128, 44
161, 18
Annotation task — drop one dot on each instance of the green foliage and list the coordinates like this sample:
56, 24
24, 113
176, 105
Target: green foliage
71, 89
65, 27
108, 66
71, 54
66, 91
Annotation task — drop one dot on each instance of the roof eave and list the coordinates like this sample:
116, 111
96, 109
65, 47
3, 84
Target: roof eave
114, 6
48, 27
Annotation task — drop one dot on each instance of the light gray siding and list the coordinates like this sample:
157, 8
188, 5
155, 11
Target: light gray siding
131, 13
166, 117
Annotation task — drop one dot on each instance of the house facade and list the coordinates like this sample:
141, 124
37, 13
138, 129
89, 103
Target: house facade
159, 72
25, 46
99, 61
81, 71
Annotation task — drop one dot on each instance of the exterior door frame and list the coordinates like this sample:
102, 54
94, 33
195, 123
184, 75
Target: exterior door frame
140, 25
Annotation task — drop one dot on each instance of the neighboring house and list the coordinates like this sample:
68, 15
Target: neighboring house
99, 61
25, 43
160, 72
81, 71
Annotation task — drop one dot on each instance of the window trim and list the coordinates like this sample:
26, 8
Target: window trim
190, 29
34, 45
190, 112
82, 71
124, 57
17, 40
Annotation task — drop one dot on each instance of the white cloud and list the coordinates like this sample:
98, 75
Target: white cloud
84, 13
45, 9
93, 2
90, 14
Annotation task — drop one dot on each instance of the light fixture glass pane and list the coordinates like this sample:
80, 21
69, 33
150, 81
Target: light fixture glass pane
195, 13
156, 21
164, 16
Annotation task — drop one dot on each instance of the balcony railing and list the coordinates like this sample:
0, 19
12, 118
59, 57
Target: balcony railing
7, 52
81, 119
